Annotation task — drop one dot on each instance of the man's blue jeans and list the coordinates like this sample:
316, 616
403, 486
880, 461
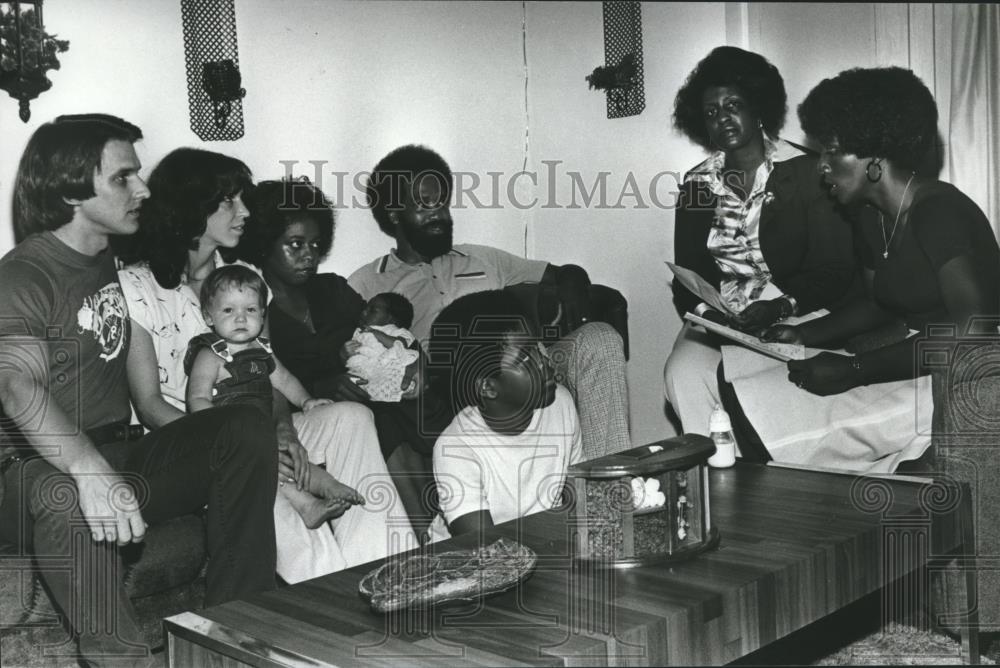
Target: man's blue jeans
224, 457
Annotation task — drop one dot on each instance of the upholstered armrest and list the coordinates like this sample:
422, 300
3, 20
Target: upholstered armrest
610, 306
965, 433
606, 305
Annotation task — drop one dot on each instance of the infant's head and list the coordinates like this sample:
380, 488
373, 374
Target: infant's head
234, 301
388, 308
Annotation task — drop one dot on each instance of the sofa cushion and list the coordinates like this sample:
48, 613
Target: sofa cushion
172, 555
22, 599
966, 433
606, 305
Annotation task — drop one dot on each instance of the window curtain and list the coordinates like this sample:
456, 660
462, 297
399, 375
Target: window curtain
974, 128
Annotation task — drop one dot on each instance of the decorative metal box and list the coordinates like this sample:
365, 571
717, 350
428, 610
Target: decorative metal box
644, 505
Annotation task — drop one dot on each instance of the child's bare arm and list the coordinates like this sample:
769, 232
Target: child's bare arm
204, 374
283, 381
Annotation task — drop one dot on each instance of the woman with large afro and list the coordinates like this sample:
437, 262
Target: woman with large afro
753, 221
931, 264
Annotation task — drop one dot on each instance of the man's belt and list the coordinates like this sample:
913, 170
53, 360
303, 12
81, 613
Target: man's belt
114, 432
108, 433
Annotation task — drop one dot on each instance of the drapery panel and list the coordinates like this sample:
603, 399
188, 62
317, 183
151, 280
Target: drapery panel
973, 140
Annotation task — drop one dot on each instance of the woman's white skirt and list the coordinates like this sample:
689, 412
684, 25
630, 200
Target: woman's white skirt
868, 429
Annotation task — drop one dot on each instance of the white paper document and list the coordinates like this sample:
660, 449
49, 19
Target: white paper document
701, 288
781, 351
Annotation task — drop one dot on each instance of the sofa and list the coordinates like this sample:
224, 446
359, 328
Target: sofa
966, 444
164, 575
606, 305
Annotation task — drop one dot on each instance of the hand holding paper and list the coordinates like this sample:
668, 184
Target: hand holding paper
781, 351
701, 288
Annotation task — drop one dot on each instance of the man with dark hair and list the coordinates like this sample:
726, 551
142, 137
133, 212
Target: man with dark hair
409, 193
48, 179
77, 479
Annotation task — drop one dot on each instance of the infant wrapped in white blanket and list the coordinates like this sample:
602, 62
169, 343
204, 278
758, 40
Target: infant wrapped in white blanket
382, 351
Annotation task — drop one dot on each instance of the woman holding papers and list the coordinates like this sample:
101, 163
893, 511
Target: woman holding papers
752, 221
930, 260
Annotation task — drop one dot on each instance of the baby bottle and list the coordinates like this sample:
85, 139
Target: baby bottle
721, 432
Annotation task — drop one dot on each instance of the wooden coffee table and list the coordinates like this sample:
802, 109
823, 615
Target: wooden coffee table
796, 546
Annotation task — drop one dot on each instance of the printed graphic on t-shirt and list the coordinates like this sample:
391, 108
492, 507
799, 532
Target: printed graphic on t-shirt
105, 315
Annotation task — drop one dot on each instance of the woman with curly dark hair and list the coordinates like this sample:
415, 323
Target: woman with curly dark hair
752, 220
195, 215
289, 233
930, 259
312, 315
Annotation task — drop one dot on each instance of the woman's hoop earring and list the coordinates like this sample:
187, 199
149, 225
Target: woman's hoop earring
873, 171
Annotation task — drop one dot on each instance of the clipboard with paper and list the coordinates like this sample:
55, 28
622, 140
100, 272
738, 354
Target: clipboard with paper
708, 294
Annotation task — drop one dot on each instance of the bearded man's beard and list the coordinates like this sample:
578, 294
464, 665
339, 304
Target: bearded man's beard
430, 244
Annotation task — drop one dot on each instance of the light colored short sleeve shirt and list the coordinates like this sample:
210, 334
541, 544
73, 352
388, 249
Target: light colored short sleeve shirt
431, 287
510, 476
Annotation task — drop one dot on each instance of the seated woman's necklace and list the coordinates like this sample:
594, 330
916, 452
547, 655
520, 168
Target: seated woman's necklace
307, 320
300, 311
293, 302
881, 223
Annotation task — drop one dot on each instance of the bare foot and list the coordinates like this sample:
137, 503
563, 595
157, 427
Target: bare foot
313, 510
318, 512
325, 486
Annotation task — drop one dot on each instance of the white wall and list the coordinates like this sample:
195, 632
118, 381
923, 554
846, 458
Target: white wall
340, 82
810, 41
346, 81
623, 247
129, 70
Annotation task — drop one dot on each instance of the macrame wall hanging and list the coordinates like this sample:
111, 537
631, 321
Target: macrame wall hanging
621, 77
215, 93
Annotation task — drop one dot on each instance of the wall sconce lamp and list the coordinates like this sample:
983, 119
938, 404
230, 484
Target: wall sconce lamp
618, 81
27, 52
621, 77
212, 63
221, 80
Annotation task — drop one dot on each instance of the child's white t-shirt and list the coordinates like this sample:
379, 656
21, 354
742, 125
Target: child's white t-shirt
511, 476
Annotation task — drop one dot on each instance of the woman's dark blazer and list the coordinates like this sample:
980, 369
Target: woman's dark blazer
805, 240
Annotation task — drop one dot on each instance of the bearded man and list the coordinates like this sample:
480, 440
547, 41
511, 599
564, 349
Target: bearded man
409, 193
